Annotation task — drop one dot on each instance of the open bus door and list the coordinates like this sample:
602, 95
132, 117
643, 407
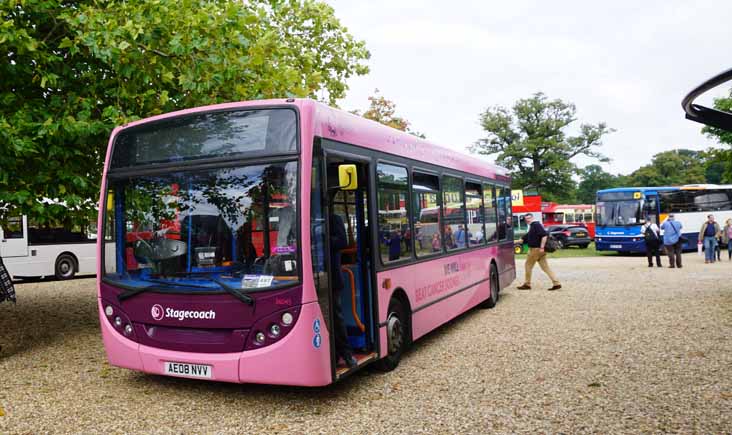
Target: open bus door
356, 297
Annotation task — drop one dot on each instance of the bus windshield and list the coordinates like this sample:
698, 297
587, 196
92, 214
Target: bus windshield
620, 213
181, 229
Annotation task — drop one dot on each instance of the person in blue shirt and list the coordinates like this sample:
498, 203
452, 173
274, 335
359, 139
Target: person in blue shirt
672, 241
460, 237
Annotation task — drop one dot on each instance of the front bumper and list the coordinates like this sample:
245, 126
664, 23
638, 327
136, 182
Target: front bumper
294, 360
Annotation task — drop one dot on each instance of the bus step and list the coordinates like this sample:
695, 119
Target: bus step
362, 359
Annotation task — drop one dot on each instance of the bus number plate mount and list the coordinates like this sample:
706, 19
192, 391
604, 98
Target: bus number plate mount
616, 246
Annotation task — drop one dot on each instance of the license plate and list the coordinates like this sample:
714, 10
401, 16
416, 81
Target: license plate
616, 246
190, 370
581, 235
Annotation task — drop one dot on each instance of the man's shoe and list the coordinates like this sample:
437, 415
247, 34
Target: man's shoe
555, 287
650, 265
350, 361
524, 287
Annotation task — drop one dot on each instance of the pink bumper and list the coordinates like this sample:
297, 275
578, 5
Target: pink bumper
297, 359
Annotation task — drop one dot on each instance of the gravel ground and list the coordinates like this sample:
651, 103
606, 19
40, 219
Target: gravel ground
621, 349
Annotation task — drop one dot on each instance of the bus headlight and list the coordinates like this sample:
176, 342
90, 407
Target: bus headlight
118, 321
287, 319
108, 310
274, 330
259, 338
128, 329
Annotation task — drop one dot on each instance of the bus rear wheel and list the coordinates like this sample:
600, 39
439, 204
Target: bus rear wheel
495, 288
65, 267
396, 336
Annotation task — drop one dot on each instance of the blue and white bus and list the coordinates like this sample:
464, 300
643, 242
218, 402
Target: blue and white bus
622, 211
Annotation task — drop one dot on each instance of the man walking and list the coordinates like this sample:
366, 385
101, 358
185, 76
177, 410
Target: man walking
672, 241
652, 238
536, 238
708, 235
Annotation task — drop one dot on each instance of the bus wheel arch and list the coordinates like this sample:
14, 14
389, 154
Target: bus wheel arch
66, 266
399, 330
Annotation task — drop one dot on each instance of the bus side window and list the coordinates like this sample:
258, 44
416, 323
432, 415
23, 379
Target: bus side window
13, 228
474, 209
453, 206
425, 194
395, 236
490, 213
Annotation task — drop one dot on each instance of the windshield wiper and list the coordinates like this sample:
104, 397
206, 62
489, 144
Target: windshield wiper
233, 291
229, 289
134, 291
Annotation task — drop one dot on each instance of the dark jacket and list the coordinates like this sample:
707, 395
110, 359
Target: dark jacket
535, 234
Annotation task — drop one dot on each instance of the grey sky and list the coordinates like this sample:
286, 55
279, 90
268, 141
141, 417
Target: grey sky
626, 63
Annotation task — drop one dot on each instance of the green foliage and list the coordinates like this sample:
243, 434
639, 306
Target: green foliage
723, 136
592, 179
671, 168
530, 140
383, 111
72, 70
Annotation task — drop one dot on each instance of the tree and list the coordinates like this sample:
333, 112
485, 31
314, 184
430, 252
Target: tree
671, 168
72, 70
592, 179
531, 141
383, 111
720, 160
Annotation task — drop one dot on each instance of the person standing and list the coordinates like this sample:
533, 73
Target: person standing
727, 238
338, 242
536, 238
394, 242
708, 236
652, 237
672, 241
460, 237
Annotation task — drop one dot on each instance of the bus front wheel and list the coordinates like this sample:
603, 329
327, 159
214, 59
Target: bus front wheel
65, 266
396, 336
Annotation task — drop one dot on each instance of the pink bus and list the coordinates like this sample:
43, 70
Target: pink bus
207, 303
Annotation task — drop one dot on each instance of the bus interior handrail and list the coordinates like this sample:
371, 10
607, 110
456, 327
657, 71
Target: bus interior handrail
703, 114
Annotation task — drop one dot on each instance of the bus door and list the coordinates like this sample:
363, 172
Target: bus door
350, 209
650, 208
14, 237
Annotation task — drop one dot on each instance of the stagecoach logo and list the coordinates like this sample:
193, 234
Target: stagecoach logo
157, 312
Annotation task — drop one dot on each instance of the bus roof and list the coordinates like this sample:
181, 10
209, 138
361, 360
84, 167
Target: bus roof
667, 188
318, 119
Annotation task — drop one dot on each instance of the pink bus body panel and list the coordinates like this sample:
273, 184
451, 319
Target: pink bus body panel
294, 360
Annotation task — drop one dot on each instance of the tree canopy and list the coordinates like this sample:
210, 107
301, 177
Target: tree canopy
72, 70
532, 142
722, 158
383, 111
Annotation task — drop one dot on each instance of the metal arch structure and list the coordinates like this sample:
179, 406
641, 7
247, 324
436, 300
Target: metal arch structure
706, 115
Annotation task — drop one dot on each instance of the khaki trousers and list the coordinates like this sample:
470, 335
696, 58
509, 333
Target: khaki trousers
536, 256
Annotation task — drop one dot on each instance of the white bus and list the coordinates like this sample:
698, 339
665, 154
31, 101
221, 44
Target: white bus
40, 251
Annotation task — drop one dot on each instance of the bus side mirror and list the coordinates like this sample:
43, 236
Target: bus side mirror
347, 178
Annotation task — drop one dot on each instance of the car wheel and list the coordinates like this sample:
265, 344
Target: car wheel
65, 266
584, 246
495, 289
560, 244
396, 336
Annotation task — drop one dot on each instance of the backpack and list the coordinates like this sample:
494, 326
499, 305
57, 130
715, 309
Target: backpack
651, 237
